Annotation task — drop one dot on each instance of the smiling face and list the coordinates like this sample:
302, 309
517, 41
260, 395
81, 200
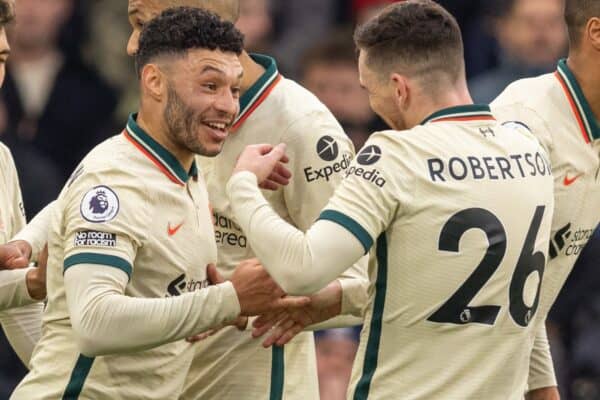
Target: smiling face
202, 99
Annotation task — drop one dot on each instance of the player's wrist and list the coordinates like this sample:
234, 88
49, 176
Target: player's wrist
36, 284
23, 246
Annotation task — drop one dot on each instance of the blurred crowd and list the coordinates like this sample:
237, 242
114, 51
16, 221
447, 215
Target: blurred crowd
70, 85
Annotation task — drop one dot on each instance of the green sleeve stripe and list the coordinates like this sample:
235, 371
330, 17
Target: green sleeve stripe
354, 227
99, 259
277, 373
78, 377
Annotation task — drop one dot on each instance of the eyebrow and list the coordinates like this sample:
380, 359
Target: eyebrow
132, 11
209, 68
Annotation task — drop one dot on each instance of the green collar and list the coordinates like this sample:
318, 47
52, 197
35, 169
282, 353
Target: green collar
160, 156
257, 93
581, 108
469, 112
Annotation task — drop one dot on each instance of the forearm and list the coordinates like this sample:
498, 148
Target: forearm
36, 232
13, 289
541, 367
303, 263
23, 328
107, 322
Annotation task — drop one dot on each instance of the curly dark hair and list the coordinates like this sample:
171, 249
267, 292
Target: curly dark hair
180, 29
7, 13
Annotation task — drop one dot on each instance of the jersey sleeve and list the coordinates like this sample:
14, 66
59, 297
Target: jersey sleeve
104, 217
17, 210
319, 153
36, 231
376, 188
514, 111
541, 367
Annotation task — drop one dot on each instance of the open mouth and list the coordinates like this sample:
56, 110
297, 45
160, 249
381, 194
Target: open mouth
218, 126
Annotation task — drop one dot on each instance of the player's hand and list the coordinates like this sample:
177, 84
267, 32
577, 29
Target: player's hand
548, 393
285, 324
257, 291
240, 323
15, 255
267, 162
36, 277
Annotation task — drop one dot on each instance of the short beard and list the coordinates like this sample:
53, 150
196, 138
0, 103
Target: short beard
183, 123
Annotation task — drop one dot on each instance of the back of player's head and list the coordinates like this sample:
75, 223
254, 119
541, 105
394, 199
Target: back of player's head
577, 15
414, 37
228, 10
7, 12
177, 30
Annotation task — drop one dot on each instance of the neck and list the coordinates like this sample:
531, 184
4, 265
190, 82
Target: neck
585, 67
458, 96
252, 71
153, 124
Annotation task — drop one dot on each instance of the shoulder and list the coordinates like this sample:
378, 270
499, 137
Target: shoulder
301, 112
525, 91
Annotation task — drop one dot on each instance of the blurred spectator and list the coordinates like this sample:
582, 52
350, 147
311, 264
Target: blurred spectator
299, 23
103, 45
57, 107
256, 24
532, 36
329, 70
574, 324
364, 10
481, 49
336, 349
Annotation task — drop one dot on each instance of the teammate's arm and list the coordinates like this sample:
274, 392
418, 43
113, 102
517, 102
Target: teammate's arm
319, 153
541, 368
20, 290
305, 263
106, 321
34, 236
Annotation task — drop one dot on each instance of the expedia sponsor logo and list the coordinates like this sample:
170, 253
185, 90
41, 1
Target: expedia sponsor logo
369, 155
181, 285
327, 148
569, 242
371, 175
228, 233
314, 174
95, 239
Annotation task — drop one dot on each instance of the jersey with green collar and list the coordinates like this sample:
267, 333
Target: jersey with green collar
456, 213
130, 205
559, 115
231, 364
12, 214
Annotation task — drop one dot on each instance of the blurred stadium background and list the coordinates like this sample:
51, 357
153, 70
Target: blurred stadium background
70, 84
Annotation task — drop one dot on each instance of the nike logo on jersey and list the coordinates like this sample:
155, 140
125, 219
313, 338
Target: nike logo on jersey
173, 230
569, 181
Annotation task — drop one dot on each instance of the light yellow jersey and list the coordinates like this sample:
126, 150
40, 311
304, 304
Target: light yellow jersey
556, 110
232, 365
129, 206
12, 212
456, 212
566, 127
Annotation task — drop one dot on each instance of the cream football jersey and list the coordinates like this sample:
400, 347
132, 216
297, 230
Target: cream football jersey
457, 214
130, 205
556, 110
559, 115
12, 214
231, 364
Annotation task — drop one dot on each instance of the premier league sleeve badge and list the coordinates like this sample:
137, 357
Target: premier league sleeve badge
100, 204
